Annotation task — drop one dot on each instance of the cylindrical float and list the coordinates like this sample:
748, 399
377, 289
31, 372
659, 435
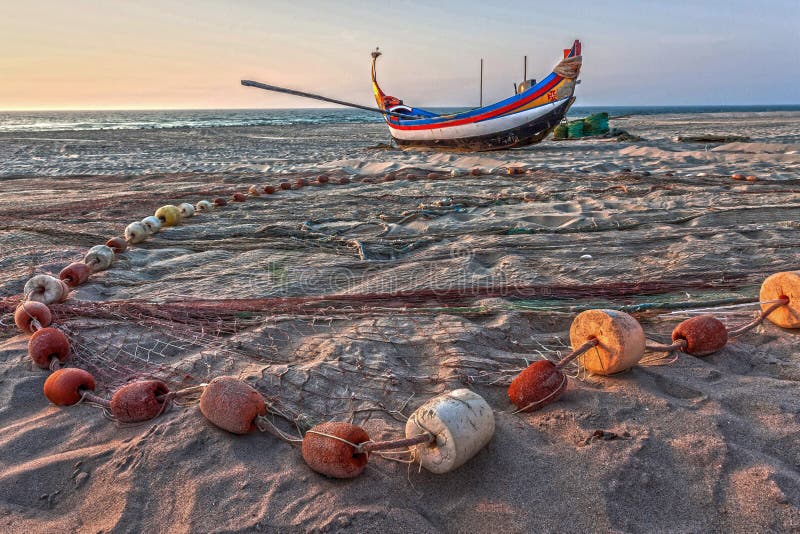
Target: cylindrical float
462, 423
169, 215
136, 232
232, 404
117, 244
44, 288
620, 337
99, 258
47, 344
65, 386
152, 224
336, 458
186, 209
783, 285
75, 274
704, 335
28, 312
204, 206
139, 401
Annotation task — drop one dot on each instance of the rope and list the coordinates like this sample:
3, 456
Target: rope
659, 347
761, 316
577, 352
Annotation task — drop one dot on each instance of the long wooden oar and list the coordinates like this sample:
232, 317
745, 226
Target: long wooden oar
266, 87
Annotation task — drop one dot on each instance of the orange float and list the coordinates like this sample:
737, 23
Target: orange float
46, 345
65, 387
220, 202
334, 456
620, 338
232, 404
703, 335
782, 286
75, 274
28, 312
139, 401
269, 189
239, 197
117, 244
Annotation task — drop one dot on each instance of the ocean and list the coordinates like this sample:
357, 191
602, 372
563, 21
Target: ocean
49, 121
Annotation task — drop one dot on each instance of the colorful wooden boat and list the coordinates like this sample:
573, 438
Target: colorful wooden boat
523, 119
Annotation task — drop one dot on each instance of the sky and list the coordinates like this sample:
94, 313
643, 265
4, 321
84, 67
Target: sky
101, 54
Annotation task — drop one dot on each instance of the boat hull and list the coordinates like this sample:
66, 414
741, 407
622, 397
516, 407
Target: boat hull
517, 130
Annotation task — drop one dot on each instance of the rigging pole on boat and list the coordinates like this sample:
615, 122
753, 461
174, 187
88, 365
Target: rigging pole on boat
276, 89
481, 90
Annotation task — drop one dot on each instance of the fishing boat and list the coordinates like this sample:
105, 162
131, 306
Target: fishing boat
523, 119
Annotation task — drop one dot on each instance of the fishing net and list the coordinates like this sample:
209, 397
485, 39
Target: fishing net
339, 301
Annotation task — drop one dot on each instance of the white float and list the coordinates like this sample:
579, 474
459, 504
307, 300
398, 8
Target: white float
204, 205
136, 233
462, 422
151, 224
187, 210
45, 289
99, 258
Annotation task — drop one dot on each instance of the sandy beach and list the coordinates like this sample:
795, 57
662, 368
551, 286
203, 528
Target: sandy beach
491, 270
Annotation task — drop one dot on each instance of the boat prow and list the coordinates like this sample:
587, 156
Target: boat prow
523, 119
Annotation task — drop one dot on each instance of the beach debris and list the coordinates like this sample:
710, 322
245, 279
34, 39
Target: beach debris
45, 289
186, 210
232, 404
99, 258
48, 346
204, 206
620, 340
169, 215
117, 244
139, 401
239, 197
66, 387
219, 202
783, 286
461, 423
586, 257
75, 273
152, 224
31, 316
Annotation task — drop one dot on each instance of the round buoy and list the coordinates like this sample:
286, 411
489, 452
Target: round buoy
254, 191
99, 258
344, 180
285, 186
169, 215
455, 173
44, 288
300, 182
462, 423
331, 456
64, 387
434, 176
220, 202
410, 177
232, 404
515, 170
389, 178
151, 224
620, 337
323, 178
139, 401
46, 344
750, 178
75, 274
537, 386
204, 206
117, 245
30, 311
239, 197
737, 176
475, 172
269, 189
186, 209
704, 335
136, 232
785, 285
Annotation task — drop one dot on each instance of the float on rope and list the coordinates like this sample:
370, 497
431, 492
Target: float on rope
99, 258
117, 244
620, 340
269, 189
239, 197
186, 210
169, 215
285, 186
253, 191
75, 274
152, 224
784, 285
204, 206
136, 232
139, 401
31, 316
219, 202
48, 347
46, 289
68, 386
232, 404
